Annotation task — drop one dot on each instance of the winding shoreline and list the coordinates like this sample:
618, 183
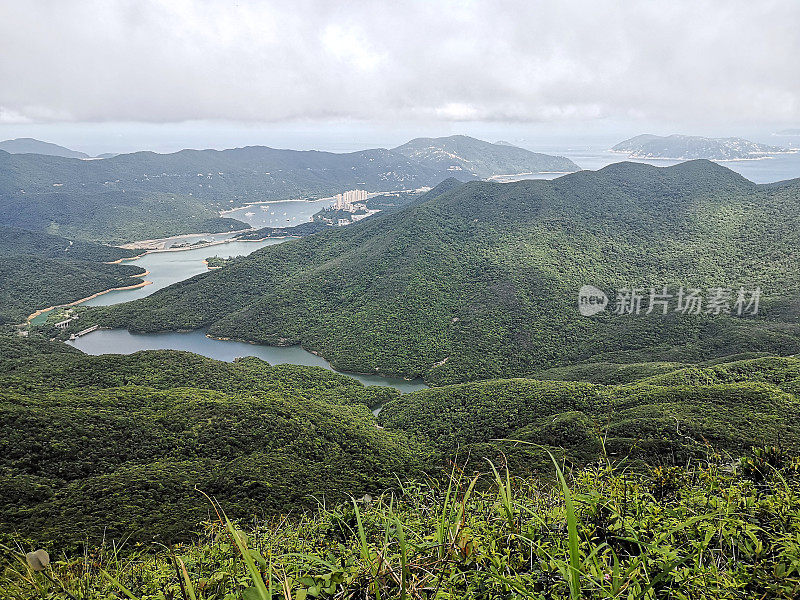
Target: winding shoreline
125, 258
333, 368
41, 311
147, 245
192, 247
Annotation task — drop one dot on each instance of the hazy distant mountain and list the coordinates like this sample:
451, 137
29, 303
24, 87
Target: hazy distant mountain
688, 147
222, 177
462, 155
32, 146
107, 155
791, 132
147, 195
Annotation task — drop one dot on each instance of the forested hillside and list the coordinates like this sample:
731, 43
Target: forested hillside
14, 241
482, 281
38, 271
148, 195
661, 419
705, 530
217, 177
115, 445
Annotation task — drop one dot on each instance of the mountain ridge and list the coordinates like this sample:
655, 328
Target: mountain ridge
34, 146
145, 195
479, 281
483, 160
39, 270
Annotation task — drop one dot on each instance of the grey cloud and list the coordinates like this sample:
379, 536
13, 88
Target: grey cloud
425, 61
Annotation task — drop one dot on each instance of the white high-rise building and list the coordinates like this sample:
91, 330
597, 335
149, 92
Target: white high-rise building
346, 200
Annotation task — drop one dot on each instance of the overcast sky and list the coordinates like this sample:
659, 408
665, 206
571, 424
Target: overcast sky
411, 64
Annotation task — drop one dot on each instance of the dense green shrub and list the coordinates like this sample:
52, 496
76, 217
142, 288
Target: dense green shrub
698, 532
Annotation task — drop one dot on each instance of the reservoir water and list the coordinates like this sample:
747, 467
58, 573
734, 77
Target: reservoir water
121, 341
168, 267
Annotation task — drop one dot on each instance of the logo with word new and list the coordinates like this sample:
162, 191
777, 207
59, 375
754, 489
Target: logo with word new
591, 300
685, 300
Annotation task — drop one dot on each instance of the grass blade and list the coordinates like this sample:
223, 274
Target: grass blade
121, 587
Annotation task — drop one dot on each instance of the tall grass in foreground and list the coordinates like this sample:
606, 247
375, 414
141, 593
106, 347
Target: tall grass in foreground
686, 533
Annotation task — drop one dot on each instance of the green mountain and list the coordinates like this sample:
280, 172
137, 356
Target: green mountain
668, 418
15, 241
223, 178
703, 530
466, 157
116, 446
687, 147
147, 195
38, 271
33, 146
482, 281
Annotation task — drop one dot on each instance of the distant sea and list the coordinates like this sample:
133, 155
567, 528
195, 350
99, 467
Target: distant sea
286, 213
592, 157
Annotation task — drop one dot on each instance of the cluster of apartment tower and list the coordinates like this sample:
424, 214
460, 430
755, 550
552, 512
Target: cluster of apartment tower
348, 200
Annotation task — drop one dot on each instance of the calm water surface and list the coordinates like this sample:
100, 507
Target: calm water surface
595, 156
286, 213
168, 267
121, 341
